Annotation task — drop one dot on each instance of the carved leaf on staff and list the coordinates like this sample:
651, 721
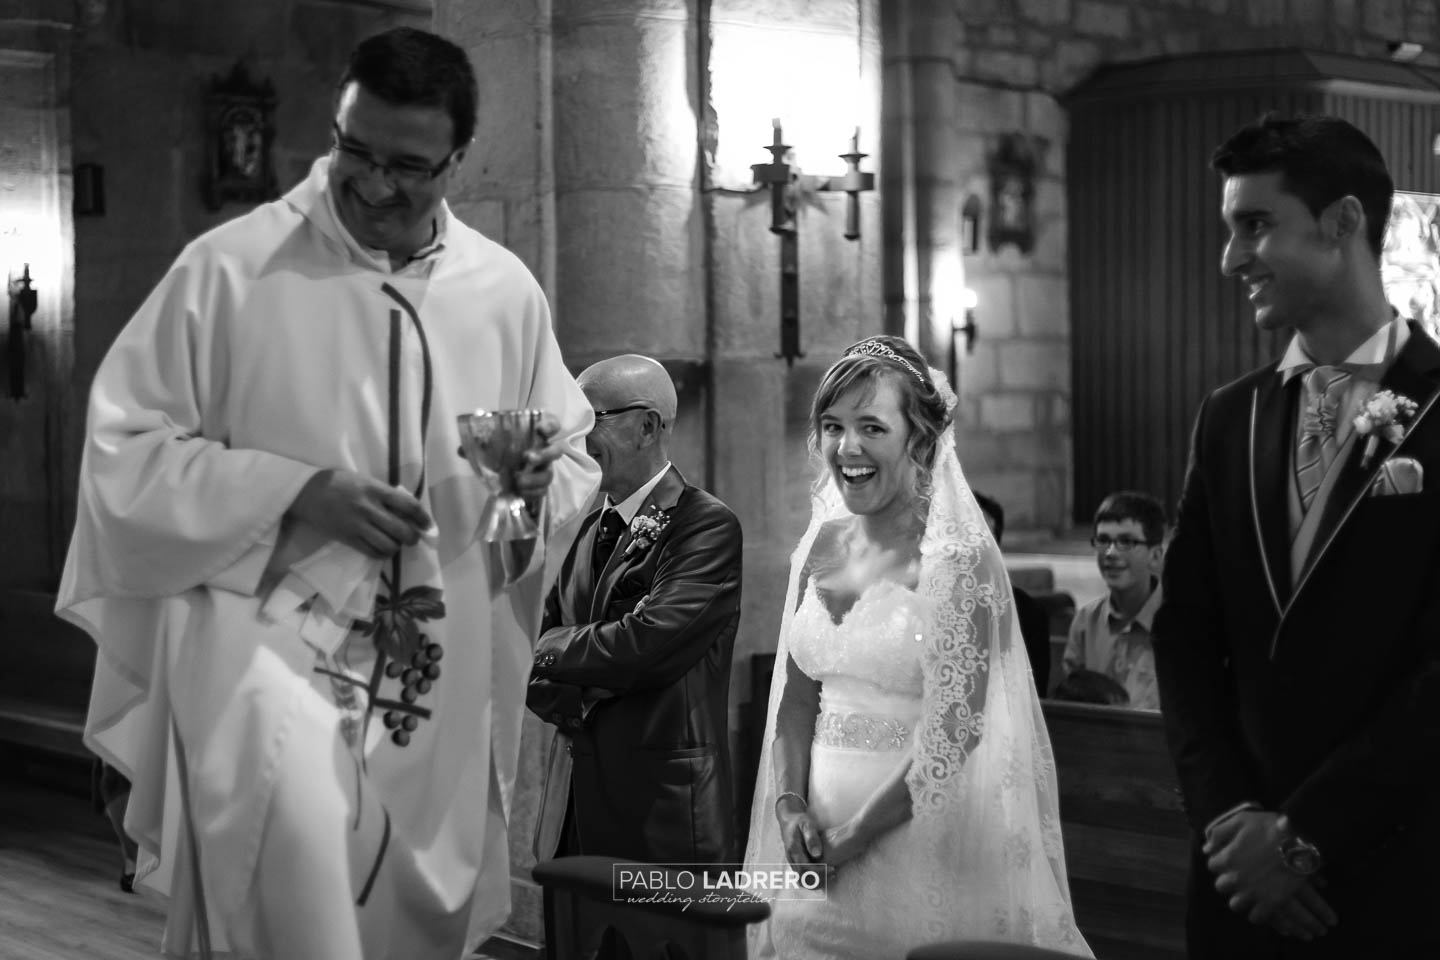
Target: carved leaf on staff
396, 623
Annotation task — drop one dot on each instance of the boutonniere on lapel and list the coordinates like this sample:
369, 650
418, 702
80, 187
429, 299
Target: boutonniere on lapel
1384, 417
645, 529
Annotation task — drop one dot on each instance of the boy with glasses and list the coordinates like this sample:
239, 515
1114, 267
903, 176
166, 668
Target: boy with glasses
1111, 634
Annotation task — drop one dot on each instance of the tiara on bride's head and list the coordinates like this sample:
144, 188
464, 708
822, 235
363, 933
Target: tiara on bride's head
876, 348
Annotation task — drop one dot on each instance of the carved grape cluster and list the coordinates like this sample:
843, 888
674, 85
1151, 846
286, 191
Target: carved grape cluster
416, 680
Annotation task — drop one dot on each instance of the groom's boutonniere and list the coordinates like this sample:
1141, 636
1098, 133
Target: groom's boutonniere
1383, 418
645, 529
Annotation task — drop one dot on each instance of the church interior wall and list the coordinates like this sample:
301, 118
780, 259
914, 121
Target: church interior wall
604, 162
132, 103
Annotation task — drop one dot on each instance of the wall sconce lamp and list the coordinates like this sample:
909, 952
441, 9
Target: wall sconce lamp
23, 301
787, 185
968, 330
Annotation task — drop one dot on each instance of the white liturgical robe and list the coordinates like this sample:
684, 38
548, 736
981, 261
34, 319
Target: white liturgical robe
241, 683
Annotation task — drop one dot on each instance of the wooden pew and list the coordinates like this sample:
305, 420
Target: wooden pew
585, 918
45, 679
1126, 839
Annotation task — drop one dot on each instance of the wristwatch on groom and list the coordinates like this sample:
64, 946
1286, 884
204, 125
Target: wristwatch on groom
1299, 855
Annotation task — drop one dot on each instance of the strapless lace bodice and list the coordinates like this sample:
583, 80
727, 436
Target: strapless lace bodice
876, 645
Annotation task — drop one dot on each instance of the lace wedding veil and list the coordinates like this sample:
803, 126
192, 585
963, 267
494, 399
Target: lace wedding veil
988, 859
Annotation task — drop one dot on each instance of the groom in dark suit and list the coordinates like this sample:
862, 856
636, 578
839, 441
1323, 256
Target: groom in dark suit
1298, 647
633, 664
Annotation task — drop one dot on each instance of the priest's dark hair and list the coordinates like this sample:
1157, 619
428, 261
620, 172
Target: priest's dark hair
410, 67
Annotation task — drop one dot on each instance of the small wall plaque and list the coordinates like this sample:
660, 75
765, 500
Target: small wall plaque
1012, 192
240, 132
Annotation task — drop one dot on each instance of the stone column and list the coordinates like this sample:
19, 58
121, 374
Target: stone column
628, 239
924, 274
506, 187
585, 165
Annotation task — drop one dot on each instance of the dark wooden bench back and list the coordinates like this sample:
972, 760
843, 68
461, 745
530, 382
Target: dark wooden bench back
1126, 838
48, 665
583, 918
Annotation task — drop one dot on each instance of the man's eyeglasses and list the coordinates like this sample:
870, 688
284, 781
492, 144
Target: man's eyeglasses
1101, 542
410, 174
615, 412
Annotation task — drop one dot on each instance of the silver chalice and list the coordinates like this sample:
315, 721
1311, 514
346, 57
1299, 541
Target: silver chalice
495, 442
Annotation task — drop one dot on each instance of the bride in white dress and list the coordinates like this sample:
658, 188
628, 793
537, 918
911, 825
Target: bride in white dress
904, 749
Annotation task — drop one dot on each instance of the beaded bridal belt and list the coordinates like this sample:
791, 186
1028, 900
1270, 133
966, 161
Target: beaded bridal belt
860, 730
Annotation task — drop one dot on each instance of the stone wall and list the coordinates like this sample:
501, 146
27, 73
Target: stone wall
1012, 60
140, 77
131, 83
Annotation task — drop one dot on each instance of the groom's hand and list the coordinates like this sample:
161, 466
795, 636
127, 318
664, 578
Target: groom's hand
1244, 856
1304, 916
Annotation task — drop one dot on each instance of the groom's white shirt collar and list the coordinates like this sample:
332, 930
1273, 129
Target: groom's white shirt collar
631, 505
1374, 351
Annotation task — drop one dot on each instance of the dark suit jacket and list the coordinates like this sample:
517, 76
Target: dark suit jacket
1322, 701
642, 689
1035, 631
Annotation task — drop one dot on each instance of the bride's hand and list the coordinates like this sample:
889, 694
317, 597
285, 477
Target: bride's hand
799, 833
842, 844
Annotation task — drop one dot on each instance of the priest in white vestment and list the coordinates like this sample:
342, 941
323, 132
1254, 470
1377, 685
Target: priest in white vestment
311, 669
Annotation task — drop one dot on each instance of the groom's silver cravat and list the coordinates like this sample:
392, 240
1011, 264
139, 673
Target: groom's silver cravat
1316, 448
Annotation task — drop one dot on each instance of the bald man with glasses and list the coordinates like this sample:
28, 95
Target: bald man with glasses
633, 665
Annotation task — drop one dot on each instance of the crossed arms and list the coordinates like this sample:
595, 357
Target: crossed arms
694, 596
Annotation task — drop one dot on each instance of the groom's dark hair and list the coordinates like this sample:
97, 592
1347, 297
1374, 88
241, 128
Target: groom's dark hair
1319, 158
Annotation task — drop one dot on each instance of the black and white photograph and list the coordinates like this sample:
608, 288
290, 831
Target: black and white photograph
719, 480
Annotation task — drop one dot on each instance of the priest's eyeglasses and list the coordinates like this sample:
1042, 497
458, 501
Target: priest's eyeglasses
1102, 543
406, 174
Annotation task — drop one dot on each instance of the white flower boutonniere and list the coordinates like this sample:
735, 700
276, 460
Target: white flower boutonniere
645, 529
1384, 418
